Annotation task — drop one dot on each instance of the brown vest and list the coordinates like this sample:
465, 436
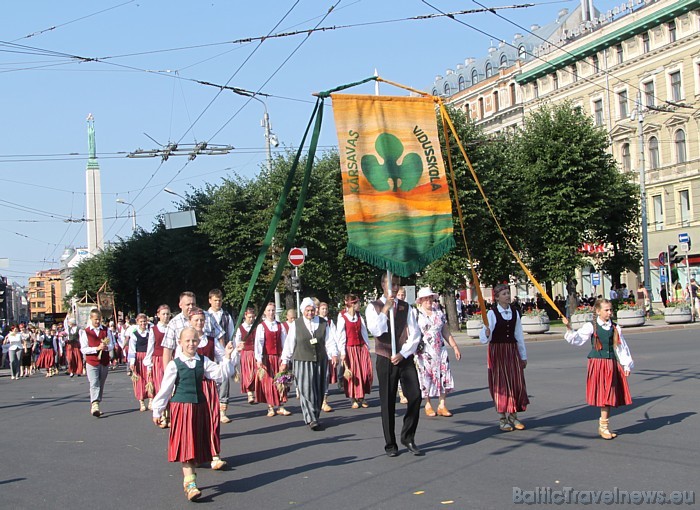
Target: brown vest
382, 344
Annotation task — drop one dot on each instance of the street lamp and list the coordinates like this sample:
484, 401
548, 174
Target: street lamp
168, 190
643, 194
133, 215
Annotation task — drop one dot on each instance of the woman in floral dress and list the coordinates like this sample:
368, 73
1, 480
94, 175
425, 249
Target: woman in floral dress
432, 361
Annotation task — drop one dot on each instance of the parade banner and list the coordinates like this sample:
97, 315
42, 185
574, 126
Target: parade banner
395, 192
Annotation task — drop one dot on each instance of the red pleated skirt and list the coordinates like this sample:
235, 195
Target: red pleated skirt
332, 373
74, 358
606, 384
189, 438
47, 358
248, 381
140, 370
360, 362
211, 394
157, 371
506, 378
266, 390
118, 353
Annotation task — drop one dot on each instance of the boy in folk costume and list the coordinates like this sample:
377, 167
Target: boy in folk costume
609, 363
353, 347
506, 360
269, 342
225, 322
138, 347
183, 386
95, 345
245, 342
154, 354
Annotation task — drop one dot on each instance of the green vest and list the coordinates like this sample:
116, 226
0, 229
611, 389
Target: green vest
606, 338
188, 384
304, 350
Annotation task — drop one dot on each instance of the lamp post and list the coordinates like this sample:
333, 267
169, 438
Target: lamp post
133, 215
643, 196
168, 190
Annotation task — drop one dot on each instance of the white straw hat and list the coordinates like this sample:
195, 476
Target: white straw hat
425, 292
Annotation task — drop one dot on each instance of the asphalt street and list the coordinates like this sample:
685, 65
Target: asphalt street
55, 455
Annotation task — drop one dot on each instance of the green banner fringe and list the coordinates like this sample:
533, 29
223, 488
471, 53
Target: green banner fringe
399, 268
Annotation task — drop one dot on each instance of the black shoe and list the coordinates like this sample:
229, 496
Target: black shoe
392, 452
314, 425
413, 448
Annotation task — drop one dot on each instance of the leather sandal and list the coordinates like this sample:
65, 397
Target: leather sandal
517, 424
270, 412
190, 486
505, 425
364, 403
429, 410
442, 411
283, 412
604, 431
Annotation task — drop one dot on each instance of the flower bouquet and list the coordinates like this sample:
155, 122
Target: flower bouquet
283, 381
261, 373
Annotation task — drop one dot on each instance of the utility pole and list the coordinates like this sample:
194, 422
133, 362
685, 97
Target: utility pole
643, 197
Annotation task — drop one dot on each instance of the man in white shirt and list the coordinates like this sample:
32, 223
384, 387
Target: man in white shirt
225, 322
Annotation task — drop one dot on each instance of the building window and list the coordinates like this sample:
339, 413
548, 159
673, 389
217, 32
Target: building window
653, 153
461, 83
521, 52
626, 157
512, 94
496, 106
475, 77
535, 90
481, 107
658, 212
672, 31
679, 140
595, 63
684, 202
622, 104
504, 61
555, 81
620, 55
489, 70
649, 93
645, 42
574, 73
676, 89
435, 92
598, 112
447, 89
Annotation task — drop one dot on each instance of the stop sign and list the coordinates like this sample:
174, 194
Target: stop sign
296, 257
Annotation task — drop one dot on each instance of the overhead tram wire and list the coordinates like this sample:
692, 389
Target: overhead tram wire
563, 49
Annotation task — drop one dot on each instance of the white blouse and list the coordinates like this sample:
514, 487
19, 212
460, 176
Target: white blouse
517, 333
583, 335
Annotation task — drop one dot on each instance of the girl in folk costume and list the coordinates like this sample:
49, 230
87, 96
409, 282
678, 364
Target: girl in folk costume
183, 386
332, 368
609, 363
208, 347
291, 315
353, 346
245, 341
117, 353
74, 359
269, 342
506, 360
95, 345
49, 348
138, 347
432, 361
154, 354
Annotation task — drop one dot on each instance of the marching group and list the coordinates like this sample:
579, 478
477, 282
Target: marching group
185, 367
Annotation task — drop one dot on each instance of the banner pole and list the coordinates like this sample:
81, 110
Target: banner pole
389, 285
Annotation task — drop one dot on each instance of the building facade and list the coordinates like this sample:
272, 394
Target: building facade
636, 71
45, 296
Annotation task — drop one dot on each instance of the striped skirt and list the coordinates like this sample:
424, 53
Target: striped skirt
157, 371
46, 358
360, 363
211, 394
266, 390
248, 380
606, 384
312, 381
506, 378
186, 442
332, 373
141, 371
74, 358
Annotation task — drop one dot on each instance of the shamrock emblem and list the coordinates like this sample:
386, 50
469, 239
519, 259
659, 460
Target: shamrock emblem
390, 149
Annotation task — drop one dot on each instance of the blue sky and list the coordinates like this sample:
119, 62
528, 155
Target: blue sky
142, 83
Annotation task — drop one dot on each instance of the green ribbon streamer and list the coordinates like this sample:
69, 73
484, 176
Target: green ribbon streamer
327, 93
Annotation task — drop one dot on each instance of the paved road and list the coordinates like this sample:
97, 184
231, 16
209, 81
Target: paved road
56, 455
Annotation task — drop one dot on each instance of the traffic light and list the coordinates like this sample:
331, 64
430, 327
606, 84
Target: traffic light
673, 257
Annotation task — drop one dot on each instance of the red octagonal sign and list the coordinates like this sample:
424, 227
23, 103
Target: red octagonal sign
296, 257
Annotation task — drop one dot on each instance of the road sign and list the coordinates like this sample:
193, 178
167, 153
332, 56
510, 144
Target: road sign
683, 238
296, 257
684, 246
662, 257
595, 279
